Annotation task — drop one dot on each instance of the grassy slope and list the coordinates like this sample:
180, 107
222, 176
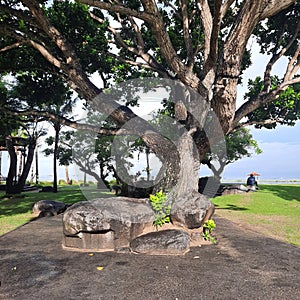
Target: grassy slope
17, 210
274, 210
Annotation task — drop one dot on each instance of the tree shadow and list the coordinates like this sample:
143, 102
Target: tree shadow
286, 192
232, 207
14, 205
23, 203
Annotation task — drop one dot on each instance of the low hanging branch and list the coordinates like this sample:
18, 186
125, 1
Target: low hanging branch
73, 124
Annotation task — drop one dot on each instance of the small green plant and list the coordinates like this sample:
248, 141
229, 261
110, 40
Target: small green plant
208, 227
161, 208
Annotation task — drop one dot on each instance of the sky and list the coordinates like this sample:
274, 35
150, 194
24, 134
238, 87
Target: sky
281, 146
280, 157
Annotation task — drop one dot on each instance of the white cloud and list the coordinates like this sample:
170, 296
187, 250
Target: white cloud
278, 161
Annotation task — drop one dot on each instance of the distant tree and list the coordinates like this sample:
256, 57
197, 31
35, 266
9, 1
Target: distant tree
239, 144
91, 152
46, 92
63, 153
15, 185
10, 125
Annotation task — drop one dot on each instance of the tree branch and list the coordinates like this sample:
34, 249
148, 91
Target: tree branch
12, 46
207, 21
224, 102
117, 8
140, 64
23, 40
139, 51
86, 167
251, 123
294, 63
166, 47
276, 56
212, 44
73, 124
225, 7
53, 33
186, 33
271, 8
261, 100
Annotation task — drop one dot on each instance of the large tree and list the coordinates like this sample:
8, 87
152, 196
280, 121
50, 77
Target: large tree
201, 44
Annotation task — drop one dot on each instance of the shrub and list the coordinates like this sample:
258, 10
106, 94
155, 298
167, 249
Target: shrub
208, 227
161, 208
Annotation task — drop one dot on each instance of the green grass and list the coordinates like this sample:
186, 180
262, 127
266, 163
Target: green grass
17, 210
274, 210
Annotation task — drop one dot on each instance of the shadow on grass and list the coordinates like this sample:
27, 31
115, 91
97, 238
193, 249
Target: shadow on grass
287, 192
19, 204
232, 207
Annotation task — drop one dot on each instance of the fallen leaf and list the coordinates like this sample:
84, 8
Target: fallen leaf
100, 268
91, 254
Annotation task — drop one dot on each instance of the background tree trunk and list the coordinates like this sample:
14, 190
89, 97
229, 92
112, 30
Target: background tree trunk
22, 181
20, 163
67, 174
55, 153
0, 163
12, 166
13, 187
37, 179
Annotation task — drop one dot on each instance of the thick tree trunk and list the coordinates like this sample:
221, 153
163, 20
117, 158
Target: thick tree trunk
169, 156
188, 173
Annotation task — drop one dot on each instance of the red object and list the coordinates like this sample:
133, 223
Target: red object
254, 174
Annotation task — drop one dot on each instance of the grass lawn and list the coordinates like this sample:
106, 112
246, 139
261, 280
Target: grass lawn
274, 210
17, 210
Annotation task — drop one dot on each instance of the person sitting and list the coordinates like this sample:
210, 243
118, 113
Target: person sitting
251, 183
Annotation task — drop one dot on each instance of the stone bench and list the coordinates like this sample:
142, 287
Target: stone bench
106, 223
126, 224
